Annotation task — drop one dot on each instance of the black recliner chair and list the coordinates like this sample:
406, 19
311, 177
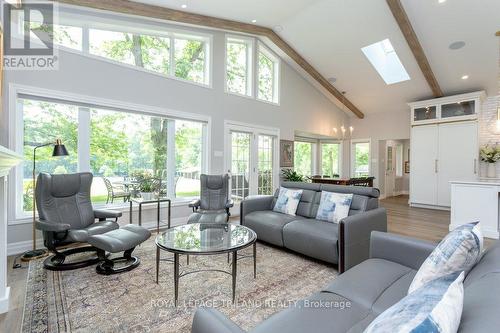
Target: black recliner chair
66, 216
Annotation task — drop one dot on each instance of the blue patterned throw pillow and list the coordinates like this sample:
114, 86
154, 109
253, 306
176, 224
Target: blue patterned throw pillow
458, 251
435, 307
288, 201
333, 207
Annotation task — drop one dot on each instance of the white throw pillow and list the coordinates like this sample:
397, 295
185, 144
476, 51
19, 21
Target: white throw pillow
435, 307
288, 201
333, 207
458, 251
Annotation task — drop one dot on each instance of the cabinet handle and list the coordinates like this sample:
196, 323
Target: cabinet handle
475, 166
436, 166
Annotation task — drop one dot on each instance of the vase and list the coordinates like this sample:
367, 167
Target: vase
147, 195
491, 171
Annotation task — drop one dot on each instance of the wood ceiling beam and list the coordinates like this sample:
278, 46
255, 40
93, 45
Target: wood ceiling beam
416, 48
168, 14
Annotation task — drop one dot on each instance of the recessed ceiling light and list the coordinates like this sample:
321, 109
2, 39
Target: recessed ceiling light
184, 6
441, 1
332, 79
254, 21
465, 77
456, 45
278, 28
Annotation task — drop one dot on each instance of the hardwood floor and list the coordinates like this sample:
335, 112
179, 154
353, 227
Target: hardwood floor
420, 223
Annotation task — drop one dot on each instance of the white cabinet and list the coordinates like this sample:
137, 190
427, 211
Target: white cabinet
441, 153
458, 154
424, 154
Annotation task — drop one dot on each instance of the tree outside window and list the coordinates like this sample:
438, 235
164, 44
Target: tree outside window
330, 159
238, 60
361, 167
303, 155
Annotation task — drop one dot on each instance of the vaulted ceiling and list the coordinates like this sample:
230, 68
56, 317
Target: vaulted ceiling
329, 34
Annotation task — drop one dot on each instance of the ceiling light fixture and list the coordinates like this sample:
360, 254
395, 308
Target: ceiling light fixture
332, 79
456, 45
254, 21
441, 1
184, 6
465, 77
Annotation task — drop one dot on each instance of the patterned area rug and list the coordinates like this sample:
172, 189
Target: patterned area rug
82, 301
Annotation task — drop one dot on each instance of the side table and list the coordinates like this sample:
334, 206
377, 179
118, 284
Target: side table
158, 201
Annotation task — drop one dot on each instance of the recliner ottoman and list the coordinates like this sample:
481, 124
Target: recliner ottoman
124, 240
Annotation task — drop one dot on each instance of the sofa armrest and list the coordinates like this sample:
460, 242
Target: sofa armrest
253, 204
51, 226
403, 250
103, 214
208, 320
354, 236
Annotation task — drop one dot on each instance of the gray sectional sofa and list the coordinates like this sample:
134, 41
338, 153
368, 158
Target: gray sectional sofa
345, 243
370, 288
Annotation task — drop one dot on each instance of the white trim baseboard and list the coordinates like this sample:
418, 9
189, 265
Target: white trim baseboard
4, 302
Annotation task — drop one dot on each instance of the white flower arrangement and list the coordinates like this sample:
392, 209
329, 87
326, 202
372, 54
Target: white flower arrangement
490, 153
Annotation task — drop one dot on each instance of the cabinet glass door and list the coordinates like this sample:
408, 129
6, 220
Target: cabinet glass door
458, 109
426, 113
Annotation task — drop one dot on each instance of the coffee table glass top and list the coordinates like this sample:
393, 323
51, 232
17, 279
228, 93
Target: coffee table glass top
206, 238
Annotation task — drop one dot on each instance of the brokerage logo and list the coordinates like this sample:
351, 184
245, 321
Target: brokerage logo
28, 39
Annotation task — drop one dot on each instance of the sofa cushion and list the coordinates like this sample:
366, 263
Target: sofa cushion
287, 201
314, 238
321, 313
434, 307
458, 251
482, 294
371, 281
268, 225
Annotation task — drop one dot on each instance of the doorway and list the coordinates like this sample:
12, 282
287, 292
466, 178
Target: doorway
394, 167
251, 158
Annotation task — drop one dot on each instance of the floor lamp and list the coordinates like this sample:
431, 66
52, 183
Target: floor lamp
59, 150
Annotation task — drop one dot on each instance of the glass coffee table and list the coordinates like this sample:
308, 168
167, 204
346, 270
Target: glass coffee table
205, 239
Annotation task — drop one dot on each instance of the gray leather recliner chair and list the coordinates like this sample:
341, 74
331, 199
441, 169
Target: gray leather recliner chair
66, 215
214, 203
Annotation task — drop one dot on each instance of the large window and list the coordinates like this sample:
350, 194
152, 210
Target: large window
181, 55
330, 159
268, 75
304, 158
154, 53
116, 146
239, 65
360, 162
41, 121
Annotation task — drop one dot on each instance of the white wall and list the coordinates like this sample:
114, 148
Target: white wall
302, 107
381, 126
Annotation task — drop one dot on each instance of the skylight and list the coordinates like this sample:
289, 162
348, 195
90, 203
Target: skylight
386, 61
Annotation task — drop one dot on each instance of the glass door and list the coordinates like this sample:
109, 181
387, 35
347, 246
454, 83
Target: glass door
252, 161
265, 162
240, 165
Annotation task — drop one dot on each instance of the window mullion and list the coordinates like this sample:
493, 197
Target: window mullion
83, 143
172, 56
171, 158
